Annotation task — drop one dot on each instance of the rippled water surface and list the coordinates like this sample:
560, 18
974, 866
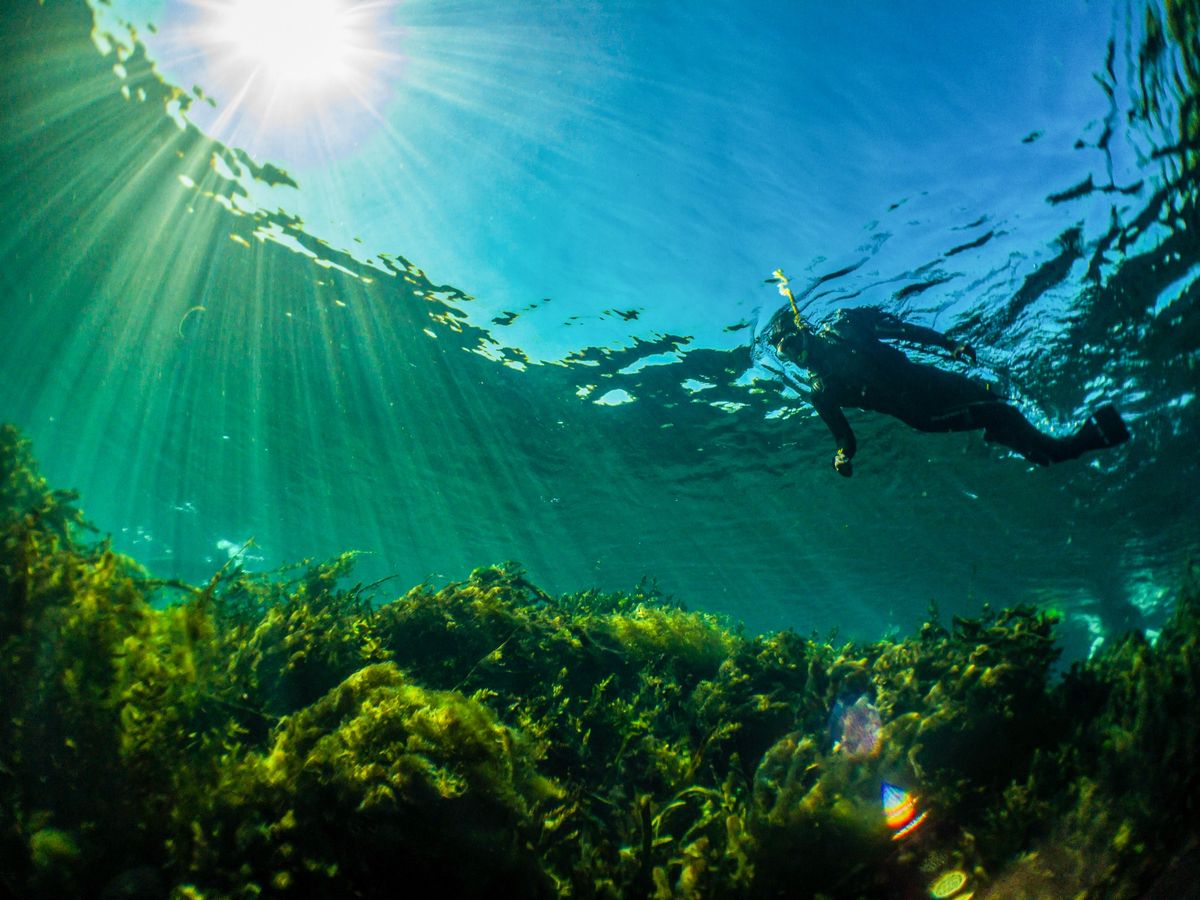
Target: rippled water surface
499, 303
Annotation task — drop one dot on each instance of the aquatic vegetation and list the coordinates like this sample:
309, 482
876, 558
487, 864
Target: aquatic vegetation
415, 784
283, 733
1133, 752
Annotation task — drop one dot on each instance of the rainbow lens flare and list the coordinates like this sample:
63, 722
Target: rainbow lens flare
900, 811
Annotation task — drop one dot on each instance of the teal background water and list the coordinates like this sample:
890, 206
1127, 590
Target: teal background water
1005, 173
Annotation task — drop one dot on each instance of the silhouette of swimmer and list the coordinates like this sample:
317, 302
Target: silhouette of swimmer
849, 365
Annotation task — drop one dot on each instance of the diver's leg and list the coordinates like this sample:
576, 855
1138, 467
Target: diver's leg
932, 399
1002, 424
1005, 425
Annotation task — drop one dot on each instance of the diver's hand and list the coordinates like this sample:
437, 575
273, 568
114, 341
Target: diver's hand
964, 351
842, 464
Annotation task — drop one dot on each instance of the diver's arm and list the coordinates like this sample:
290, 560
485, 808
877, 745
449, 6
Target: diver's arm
835, 420
889, 326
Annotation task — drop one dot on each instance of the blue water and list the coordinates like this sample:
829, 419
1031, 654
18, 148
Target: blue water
502, 307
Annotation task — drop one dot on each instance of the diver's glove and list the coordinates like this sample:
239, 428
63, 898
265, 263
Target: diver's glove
964, 351
842, 464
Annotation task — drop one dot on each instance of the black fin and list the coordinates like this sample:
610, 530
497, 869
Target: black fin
1110, 425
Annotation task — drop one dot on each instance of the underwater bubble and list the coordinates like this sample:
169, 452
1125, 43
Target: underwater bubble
230, 549
855, 727
948, 884
238, 553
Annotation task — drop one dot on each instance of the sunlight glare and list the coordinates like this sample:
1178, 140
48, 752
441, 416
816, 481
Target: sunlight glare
283, 63
309, 42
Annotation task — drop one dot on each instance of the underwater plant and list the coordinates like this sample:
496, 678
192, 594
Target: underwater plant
284, 734
377, 783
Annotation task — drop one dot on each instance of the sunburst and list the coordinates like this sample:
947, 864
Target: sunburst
278, 67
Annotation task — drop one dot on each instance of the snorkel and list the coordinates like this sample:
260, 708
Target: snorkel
782, 281
777, 333
797, 340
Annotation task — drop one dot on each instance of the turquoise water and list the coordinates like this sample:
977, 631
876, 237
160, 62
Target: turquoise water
413, 350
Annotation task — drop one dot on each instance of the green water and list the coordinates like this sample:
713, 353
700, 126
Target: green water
231, 394
204, 384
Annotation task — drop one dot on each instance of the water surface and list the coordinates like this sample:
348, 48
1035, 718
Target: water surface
539, 346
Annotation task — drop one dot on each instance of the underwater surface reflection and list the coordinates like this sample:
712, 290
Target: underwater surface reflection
248, 379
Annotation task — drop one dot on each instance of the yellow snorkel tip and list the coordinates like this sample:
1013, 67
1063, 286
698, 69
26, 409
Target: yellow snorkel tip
777, 277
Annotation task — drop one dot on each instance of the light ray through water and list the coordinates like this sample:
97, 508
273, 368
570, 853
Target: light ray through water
315, 409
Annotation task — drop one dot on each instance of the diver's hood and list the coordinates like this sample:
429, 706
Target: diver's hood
770, 327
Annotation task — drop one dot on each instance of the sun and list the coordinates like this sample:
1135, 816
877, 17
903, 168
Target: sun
303, 43
276, 65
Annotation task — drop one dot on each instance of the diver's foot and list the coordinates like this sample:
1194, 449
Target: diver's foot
1109, 425
1104, 428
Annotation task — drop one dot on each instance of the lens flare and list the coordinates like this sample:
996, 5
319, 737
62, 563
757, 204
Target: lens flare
856, 728
900, 811
948, 884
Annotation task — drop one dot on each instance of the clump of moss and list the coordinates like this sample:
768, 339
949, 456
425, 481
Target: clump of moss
689, 645
283, 733
604, 687
378, 783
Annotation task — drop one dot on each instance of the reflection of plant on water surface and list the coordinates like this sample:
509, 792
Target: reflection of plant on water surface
275, 734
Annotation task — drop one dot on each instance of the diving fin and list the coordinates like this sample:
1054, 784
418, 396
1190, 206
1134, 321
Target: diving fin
1104, 428
1110, 425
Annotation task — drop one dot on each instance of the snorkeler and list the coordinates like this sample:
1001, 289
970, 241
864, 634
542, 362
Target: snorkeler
849, 364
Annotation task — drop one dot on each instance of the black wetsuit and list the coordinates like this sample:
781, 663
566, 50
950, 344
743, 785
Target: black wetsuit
849, 365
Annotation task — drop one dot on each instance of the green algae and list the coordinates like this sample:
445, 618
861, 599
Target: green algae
283, 734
